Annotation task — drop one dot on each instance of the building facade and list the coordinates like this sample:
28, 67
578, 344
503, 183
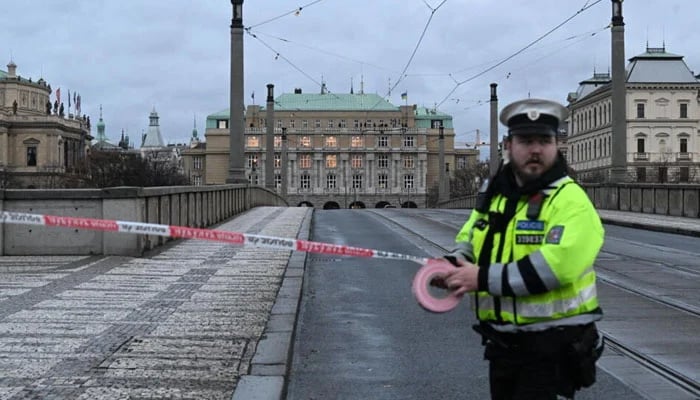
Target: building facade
40, 146
662, 103
342, 150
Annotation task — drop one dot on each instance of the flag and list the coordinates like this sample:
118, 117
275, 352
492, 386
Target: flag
69, 99
74, 102
404, 96
77, 105
58, 95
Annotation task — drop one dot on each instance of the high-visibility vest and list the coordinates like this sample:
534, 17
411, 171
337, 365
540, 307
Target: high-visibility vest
540, 272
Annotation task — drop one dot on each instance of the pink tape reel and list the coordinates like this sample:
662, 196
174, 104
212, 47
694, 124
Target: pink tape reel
433, 268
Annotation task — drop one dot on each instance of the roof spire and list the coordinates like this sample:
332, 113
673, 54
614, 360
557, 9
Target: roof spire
351, 89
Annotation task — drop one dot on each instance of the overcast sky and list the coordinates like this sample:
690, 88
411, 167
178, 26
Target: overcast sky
132, 55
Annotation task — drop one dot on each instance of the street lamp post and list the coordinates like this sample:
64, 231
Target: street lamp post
283, 161
442, 195
236, 171
618, 172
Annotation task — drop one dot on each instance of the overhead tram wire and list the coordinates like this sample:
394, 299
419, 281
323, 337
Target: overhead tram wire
294, 11
415, 49
279, 55
584, 8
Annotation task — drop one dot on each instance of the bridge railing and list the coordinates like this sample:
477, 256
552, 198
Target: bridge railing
192, 206
664, 199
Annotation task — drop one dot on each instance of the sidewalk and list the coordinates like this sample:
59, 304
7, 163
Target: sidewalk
194, 320
653, 222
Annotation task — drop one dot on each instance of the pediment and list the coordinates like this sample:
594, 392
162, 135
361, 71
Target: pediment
30, 141
662, 101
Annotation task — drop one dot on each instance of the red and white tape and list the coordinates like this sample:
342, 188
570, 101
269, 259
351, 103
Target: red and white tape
422, 279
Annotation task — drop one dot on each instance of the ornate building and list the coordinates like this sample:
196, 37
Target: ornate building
40, 147
342, 150
662, 103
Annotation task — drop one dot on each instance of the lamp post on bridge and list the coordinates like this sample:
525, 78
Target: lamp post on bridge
236, 171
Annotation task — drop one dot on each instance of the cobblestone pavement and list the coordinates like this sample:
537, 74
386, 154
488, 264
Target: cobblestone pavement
182, 324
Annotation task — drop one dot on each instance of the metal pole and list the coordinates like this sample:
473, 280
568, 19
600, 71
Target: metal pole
618, 172
236, 171
283, 161
442, 195
493, 145
270, 139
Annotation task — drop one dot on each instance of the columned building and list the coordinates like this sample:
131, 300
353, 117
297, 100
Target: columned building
342, 150
40, 146
662, 100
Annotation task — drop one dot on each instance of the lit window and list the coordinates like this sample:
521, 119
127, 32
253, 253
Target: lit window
253, 141
252, 161
305, 161
278, 160
278, 180
222, 124
356, 161
331, 141
278, 141
305, 141
331, 161
408, 161
356, 141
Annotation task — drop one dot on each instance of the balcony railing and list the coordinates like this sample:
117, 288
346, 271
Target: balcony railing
684, 156
641, 156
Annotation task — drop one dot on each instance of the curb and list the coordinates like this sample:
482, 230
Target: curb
266, 379
654, 228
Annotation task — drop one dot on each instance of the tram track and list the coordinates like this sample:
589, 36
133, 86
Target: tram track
646, 361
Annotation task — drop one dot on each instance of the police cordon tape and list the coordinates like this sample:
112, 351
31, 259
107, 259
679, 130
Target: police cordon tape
430, 269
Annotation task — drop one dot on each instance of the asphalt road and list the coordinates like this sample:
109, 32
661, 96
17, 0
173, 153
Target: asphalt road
361, 335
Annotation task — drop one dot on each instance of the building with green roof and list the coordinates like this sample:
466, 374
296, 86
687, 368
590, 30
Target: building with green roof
342, 150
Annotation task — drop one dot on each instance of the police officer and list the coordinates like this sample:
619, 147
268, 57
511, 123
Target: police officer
527, 253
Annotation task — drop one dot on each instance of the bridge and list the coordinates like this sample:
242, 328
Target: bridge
206, 319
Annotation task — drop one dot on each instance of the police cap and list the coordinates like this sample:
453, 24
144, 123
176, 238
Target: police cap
533, 117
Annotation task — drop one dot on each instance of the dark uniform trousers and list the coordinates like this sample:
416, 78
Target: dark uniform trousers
540, 365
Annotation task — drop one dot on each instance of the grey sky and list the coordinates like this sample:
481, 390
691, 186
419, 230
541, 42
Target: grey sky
132, 55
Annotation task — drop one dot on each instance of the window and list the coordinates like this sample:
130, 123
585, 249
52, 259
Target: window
331, 141
408, 161
197, 180
253, 179
436, 123
383, 181
383, 141
292, 123
357, 181
462, 163
278, 141
305, 141
31, 156
408, 141
684, 145
252, 161
305, 161
663, 174
641, 174
304, 123
305, 181
640, 110
253, 141
318, 123
279, 123
330, 123
356, 161
684, 110
356, 141
684, 174
222, 123
331, 161
382, 161
640, 145
278, 160
278, 180
408, 181
331, 181
197, 161
356, 124
342, 123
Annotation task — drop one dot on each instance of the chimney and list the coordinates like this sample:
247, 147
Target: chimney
297, 90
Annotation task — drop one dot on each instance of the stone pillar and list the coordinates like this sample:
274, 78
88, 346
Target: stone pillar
270, 139
618, 172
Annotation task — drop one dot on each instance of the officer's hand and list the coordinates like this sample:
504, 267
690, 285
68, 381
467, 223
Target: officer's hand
438, 282
463, 280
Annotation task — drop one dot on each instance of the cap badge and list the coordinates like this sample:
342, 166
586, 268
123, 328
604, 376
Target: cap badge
533, 115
